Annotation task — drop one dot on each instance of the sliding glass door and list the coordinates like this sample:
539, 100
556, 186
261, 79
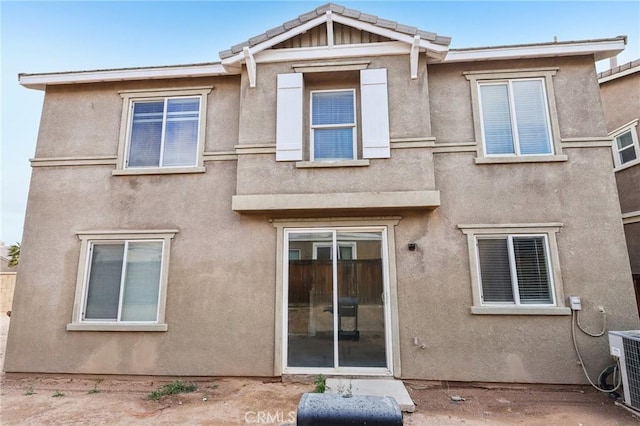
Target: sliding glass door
335, 287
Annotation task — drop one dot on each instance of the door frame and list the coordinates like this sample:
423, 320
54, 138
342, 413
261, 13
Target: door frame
392, 342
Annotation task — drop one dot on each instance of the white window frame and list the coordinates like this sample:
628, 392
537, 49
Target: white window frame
88, 239
353, 126
631, 127
130, 97
512, 116
513, 269
352, 244
357, 224
478, 78
546, 230
298, 253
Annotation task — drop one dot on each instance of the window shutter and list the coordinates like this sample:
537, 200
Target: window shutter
289, 117
375, 113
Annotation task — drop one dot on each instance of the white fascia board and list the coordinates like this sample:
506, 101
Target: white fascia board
40, 81
338, 51
619, 74
600, 49
239, 57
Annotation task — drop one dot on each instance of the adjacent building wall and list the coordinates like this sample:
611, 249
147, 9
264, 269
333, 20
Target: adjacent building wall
7, 285
621, 104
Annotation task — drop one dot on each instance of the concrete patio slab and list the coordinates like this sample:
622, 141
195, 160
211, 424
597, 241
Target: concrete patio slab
378, 387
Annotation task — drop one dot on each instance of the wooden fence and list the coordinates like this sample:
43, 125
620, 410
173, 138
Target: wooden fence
356, 278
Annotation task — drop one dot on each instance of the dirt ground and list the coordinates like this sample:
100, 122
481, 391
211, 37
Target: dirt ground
67, 399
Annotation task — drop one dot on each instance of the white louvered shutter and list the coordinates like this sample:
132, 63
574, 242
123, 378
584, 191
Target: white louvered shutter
289, 117
375, 113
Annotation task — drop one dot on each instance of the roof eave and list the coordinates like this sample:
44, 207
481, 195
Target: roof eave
41, 81
619, 74
601, 49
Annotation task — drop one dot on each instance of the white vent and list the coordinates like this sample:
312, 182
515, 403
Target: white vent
625, 345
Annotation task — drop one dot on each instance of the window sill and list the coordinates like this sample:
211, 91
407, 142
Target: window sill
627, 165
115, 327
522, 159
520, 310
158, 171
325, 164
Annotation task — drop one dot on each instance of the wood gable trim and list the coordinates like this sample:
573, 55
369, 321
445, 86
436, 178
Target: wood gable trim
274, 49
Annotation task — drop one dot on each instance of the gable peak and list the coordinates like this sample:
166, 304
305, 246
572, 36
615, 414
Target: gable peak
356, 15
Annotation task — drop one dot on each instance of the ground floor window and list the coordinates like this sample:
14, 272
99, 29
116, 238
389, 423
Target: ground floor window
514, 268
122, 280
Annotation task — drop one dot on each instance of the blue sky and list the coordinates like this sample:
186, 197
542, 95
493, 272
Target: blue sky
37, 37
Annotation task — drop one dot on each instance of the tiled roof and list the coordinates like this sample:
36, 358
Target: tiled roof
349, 13
541, 44
619, 69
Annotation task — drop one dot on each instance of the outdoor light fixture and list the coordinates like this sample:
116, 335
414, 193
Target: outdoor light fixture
412, 246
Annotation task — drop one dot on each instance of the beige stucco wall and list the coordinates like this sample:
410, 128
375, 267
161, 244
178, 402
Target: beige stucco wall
575, 87
84, 120
221, 301
632, 232
220, 305
408, 118
434, 306
629, 188
621, 104
620, 100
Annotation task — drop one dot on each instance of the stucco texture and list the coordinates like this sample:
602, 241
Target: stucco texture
220, 294
435, 287
632, 232
621, 100
221, 304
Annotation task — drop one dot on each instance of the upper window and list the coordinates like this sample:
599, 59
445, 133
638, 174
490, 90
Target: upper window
514, 269
333, 125
515, 117
626, 150
123, 281
163, 131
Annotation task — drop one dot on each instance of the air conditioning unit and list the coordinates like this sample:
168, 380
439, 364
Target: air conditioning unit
625, 345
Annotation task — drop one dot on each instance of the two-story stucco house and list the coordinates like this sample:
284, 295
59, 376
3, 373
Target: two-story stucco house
620, 93
342, 194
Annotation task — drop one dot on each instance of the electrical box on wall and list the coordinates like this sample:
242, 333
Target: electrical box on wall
574, 303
